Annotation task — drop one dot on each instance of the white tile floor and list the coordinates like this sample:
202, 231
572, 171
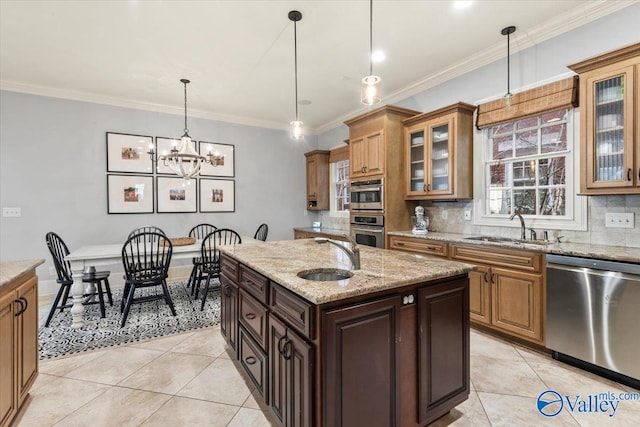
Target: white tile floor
188, 380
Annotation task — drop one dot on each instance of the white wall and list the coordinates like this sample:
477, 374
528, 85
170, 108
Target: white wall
53, 167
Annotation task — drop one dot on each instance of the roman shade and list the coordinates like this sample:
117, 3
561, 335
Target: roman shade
338, 154
532, 102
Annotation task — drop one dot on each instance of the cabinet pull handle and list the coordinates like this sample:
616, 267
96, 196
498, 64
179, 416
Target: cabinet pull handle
362, 169
486, 277
286, 350
26, 304
282, 338
21, 310
428, 187
638, 174
227, 291
248, 283
424, 187
400, 243
493, 278
250, 316
250, 360
629, 174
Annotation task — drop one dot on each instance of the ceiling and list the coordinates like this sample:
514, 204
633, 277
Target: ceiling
239, 54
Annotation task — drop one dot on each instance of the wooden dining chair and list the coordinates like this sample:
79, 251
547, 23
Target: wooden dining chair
200, 231
210, 255
261, 232
145, 257
59, 250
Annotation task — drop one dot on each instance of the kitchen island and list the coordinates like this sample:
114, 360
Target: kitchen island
388, 346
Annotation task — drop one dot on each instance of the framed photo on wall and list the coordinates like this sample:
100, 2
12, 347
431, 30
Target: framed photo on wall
127, 194
163, 147
128, 153
176, 195
223, 159
217, 195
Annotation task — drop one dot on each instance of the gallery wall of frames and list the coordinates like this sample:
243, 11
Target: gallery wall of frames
138, 182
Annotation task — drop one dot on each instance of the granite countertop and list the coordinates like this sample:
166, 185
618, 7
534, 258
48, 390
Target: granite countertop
332, 231
613, 253
381, 269
12, 269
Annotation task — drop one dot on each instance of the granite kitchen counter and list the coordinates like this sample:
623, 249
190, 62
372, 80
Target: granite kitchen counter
12, 269
614, 253
380, 270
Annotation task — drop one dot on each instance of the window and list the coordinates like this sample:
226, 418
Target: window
340, 186
528, 166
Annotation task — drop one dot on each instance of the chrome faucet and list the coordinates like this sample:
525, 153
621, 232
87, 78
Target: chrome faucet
523, 234
353, 253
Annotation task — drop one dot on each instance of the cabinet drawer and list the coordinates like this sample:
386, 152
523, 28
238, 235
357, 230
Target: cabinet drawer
293, 309
229, 268
515, 259
428, 247
254, 283
254, 362
253, 316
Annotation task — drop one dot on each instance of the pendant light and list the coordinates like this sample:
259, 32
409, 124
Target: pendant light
507, 31
184, 160
371, 86
295, 127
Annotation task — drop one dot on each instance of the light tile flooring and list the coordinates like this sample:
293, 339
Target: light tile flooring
187, 379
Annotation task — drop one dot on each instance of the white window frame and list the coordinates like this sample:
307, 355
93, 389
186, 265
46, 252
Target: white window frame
332, 192
576, 208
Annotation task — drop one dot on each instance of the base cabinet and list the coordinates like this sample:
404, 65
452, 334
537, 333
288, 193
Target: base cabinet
18, 344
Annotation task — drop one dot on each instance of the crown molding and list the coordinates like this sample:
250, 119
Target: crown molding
559, 25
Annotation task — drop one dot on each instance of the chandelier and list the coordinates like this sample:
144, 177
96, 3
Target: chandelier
183, 159
371, 86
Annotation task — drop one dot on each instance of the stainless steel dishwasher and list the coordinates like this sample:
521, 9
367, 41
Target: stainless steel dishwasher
593, 315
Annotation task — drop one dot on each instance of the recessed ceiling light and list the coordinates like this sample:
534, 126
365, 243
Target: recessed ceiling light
462, 4
378, 56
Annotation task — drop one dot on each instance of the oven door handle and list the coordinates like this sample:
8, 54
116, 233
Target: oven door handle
362, 189
367, 230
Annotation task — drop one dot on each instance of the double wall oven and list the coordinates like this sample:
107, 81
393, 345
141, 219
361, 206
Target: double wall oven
367, 212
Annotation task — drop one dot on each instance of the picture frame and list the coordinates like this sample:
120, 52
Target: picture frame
217, 195
130, 194
225, 153
129, 153
175, 195
163, 147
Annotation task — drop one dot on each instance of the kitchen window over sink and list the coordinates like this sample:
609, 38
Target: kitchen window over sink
529, 165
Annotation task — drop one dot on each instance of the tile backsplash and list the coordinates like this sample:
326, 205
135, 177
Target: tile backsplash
334, 222
596, 233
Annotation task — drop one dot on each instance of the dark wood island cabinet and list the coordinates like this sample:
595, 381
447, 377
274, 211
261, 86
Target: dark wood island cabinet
387, 347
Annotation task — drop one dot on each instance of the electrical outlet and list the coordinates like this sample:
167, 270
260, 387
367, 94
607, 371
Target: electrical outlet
619, 220
467, 215
444, 214
11, 212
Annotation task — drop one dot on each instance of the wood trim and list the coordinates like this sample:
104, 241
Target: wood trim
516, 259
608, 58
337, 154
435, 114
386, 109
314, 152
423, 246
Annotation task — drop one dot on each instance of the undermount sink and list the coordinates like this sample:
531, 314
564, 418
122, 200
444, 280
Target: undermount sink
507, 240
325, 274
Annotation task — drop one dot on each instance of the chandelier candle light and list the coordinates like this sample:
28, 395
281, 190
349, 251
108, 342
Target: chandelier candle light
507, 31
184, 160
295, 127
371, 87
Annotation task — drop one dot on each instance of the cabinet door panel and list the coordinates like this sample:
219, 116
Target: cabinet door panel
480, 295
440, 156
443, 319
374, 157
27, 330
360, 340
356, 157
516, 303
8, 397
229, 312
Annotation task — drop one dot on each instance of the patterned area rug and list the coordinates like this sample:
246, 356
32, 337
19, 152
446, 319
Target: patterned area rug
146, 320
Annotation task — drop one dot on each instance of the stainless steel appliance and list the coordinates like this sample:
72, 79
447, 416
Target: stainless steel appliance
593, 313
368, 229
367, 195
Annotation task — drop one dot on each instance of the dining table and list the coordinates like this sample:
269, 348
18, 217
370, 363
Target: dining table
100, 255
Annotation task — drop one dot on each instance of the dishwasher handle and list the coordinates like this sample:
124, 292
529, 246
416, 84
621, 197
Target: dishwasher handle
591, 271
593, 264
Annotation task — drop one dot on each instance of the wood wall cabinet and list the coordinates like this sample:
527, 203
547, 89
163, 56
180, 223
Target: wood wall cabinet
318, 180
507, 291
367, 155
610, 122
439, 154
19, 343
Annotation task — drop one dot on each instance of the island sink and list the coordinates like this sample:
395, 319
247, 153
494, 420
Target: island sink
325, 274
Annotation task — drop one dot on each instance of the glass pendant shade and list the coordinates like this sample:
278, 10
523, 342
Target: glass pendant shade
371, 90
296, 130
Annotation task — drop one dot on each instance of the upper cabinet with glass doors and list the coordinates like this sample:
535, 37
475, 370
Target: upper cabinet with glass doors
610, 122
439, 154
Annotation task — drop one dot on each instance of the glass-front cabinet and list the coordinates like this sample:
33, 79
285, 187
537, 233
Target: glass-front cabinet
439, 154
610, 126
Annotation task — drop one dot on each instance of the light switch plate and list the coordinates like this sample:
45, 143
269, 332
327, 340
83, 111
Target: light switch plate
467, 215
619, 220
11, 212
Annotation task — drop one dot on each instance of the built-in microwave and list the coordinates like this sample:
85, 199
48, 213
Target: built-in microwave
367, 195
368, 229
